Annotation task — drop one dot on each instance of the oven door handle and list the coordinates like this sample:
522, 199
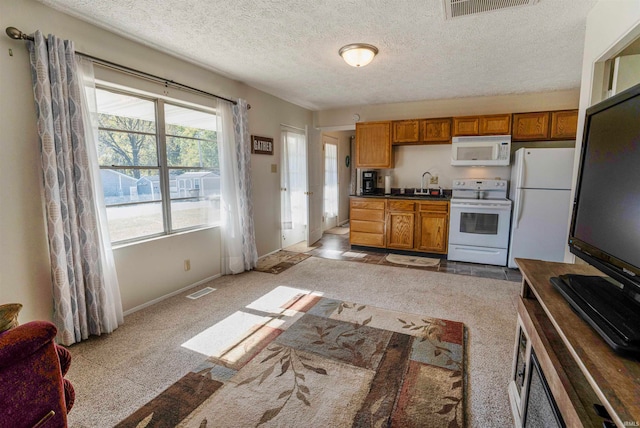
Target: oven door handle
482, 206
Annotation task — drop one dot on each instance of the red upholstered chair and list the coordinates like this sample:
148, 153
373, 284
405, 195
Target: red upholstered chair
32, 384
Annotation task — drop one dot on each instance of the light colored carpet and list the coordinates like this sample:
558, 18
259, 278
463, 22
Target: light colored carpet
400, 259
337, 231
116, 374
307, 360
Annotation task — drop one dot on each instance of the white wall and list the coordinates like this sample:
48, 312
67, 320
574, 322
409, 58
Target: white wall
342, 118
611, 26
146, 270
626, 73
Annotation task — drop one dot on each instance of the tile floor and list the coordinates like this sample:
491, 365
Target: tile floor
337, 247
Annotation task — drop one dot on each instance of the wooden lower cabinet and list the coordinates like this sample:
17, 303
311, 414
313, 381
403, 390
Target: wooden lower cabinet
400, 224
367, 221
432, 231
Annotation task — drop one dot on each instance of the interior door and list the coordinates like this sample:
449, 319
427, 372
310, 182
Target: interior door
293, 187
315, 178
330, 200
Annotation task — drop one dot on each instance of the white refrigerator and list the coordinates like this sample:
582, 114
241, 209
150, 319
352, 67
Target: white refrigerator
540, 189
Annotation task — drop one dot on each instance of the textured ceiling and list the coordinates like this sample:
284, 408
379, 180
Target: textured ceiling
289, 48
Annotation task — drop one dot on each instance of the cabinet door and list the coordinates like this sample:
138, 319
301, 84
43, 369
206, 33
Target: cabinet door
406, 131
466, 126
531, 126
564, 124
436, 130
373, 145
433, 232
496, 124
400, 230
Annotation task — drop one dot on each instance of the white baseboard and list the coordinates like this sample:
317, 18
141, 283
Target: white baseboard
268, 254
166, 296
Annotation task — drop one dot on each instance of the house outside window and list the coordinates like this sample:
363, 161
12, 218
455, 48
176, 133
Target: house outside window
159, 165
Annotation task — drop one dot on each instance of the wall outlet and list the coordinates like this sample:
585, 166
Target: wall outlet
187, 265
433, 180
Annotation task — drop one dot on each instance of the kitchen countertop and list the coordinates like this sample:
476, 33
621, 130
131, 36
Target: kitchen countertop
445, 197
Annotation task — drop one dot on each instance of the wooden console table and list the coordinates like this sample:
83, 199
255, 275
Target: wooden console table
580, 368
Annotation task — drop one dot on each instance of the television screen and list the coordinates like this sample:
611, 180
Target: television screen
605, 225
606, 217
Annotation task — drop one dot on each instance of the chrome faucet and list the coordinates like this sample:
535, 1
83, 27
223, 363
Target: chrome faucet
422, 181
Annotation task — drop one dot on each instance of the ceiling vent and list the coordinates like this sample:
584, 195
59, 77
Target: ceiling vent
459, 8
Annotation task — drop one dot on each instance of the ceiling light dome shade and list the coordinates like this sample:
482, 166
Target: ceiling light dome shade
358, 54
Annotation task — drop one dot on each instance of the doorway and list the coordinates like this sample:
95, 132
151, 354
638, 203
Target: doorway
330, 145
293, 186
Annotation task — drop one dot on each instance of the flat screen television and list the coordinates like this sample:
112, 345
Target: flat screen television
605, 225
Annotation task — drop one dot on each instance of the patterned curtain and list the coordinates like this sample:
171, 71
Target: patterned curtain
84, 303
237, 232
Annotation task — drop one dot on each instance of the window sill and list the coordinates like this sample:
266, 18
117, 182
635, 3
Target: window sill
162, 237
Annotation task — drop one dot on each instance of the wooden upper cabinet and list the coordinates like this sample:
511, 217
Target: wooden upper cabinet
406, 131
373, 145
436, 130
564, 124
496, 124
531, 126
466, 126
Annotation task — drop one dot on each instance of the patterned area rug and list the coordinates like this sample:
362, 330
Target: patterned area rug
314, 361
337, 231
280, 261
400, 259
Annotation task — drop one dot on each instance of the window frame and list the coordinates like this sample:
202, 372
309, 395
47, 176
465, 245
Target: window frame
162, 166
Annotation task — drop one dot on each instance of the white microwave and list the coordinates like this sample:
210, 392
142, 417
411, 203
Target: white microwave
488, 150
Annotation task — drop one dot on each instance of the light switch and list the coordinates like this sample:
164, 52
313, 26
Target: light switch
274, 168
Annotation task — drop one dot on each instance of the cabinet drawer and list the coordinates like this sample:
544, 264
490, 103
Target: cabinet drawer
369, 215
366, 226
401, 205
371, 239
372, 204
442, 207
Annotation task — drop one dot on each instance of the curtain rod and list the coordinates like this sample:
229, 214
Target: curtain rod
16, 34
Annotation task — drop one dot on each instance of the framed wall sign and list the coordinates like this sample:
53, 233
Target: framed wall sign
261, 145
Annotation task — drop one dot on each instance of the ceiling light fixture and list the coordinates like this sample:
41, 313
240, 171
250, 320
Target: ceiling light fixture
358, 54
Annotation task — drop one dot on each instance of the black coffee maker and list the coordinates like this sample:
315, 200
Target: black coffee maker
369, 180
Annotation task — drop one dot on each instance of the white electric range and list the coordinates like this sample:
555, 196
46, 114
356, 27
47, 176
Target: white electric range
479, 222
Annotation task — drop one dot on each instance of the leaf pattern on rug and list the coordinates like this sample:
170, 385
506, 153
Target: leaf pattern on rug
344, 341
432, 331
289, 360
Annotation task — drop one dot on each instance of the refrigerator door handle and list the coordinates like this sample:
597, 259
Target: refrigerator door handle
522, 170
518, 207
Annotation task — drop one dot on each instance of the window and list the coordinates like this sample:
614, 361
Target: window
159, 165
